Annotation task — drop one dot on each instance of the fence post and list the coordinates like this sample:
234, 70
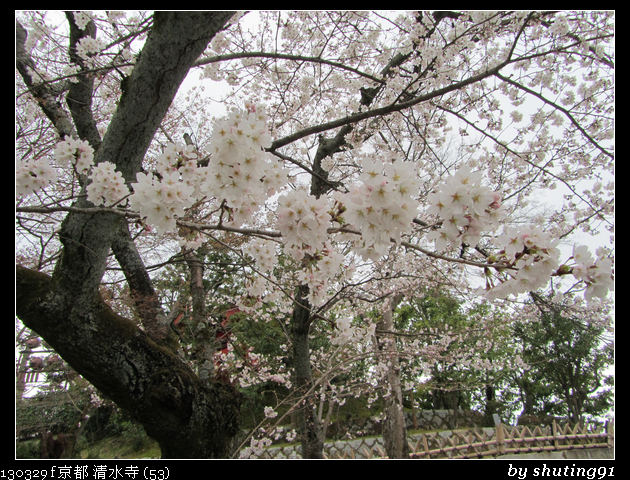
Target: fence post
554, 426
426, 445
610, 430
500, 435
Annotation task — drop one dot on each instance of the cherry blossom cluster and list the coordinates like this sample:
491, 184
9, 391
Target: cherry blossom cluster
82, 19
596, 274
382, 206
467, 207
192, 241
535, 255
560, 26
78, 153
108, 186
347, 333
256, 448
89, 46
35, 175
318, 268
303, 221
161, 201
270, 413
530, 250
252, 369
531, 254
256, 288
32, 176
182, 159
239, 172
326, 264
263, 252
176, 156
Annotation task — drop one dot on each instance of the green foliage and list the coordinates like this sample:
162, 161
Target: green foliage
121, 437
134, 432
568, 359
57, 411
264, 338
27, 449
470, 373
436, 314
130, 442
98, 425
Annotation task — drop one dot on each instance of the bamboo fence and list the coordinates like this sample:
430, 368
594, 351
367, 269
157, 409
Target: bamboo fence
510, 440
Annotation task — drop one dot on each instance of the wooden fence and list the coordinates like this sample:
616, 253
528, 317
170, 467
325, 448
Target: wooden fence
510, 440
470, 443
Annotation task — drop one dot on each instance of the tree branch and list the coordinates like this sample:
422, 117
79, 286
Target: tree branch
383, 111
79, 97
557, 107
284, 56
43, 93
146, 301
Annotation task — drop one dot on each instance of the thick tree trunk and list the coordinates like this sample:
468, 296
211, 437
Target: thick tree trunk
188, 417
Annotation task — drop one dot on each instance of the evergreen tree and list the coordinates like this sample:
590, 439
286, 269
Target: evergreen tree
568, 360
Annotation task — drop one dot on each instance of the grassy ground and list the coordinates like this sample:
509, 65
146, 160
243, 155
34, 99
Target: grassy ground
110, 447
117, 447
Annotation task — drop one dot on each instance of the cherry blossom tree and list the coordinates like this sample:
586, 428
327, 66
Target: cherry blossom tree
324, 179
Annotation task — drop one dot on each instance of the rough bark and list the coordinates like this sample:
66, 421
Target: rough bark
79, 96
145, 299
394, 424
188, 417
45, 94
310, 428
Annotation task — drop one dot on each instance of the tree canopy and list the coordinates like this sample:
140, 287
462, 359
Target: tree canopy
357, 161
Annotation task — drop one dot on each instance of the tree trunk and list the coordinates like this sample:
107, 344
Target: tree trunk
205, 336
491, 406
189, 418
146, 302
310, 427
528, 396
394, 426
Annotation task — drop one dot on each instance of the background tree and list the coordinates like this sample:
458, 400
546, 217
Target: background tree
568, 361
469, 352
